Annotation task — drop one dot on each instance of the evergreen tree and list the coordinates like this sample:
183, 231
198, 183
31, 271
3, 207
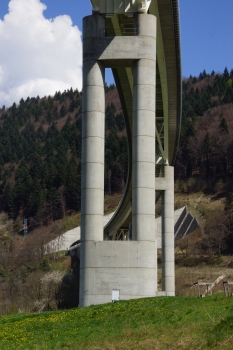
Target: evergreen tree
223, 126
226, 74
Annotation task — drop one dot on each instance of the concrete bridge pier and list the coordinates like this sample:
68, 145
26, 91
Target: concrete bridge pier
127, 267
93, 135
143, 136
168, 258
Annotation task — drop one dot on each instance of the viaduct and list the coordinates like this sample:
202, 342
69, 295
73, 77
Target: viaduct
140, 41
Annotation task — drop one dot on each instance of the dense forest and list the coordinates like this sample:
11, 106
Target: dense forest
206, 142
204, 160
40, 147
40, 156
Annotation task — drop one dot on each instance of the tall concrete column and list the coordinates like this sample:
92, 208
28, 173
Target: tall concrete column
143, 138
93, 132
168, 257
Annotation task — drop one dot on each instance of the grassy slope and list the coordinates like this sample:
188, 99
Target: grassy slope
153, 323
162, 323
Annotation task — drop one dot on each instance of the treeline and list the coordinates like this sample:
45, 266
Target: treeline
206, 143
40, 156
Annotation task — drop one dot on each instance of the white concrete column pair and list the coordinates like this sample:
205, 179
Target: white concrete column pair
100, 272
143, 197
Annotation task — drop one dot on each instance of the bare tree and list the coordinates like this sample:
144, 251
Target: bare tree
50, 284
216, 233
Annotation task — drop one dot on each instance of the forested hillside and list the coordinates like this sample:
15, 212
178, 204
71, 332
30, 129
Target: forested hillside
40, 155
40, 177
40, 148
204, 162
206, 143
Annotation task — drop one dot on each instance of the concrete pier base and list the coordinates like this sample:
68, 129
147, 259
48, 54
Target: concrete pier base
126, 266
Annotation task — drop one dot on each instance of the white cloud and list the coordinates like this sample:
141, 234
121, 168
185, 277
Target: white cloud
38, 56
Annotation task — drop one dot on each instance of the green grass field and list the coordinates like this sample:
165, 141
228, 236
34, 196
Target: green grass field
152, 323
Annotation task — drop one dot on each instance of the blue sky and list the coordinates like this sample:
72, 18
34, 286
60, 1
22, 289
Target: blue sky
206, 41
206, 35
206, 31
